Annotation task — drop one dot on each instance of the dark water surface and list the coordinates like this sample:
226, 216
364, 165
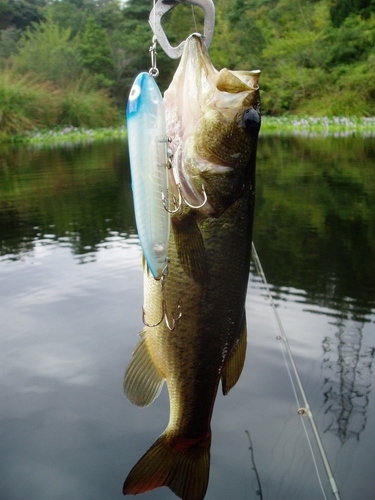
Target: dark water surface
70, 310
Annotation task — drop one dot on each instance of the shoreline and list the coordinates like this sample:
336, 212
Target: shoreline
284, 125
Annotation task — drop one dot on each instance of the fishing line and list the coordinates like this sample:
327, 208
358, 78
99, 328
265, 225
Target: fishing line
301, 411
194, 19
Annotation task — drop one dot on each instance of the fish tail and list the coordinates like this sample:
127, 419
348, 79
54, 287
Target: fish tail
182, 464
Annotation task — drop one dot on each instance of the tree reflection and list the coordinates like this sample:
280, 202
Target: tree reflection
77, 194
348, 384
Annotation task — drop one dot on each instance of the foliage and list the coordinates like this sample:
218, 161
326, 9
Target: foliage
282, 126
70, 134
84, 106
8, 43
341, 9
25, 103
130, 44
317, 56
324, 126
48, 50
20, 13
96, 54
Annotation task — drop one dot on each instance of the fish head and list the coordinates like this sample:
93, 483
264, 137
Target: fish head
213, 120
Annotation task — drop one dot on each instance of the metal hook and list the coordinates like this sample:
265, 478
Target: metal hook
163, 6
177, 182
153, 71
189, 204
181, 198
169, 321
177, 205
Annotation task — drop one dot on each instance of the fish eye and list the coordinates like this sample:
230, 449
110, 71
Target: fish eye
251, 120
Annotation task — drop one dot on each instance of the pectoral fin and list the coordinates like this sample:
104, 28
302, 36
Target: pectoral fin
142, 381
190, 247
233, 368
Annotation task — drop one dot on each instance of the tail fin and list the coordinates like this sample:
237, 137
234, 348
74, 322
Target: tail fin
181, 464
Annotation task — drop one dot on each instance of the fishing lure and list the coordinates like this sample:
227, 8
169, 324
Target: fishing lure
149, 169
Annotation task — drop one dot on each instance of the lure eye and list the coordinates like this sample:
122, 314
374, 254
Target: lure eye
251, 120
135, 92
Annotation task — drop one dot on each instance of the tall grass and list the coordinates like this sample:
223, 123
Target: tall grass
84, 106
25, 103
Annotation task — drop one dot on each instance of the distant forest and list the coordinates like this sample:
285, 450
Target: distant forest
317, 56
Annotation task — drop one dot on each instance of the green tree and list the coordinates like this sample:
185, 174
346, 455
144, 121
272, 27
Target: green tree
8, 42
130, 45
67, 15
341, 9
96, 53
49, 52
20, 13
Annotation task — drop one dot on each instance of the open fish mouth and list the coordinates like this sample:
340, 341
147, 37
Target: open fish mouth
207, 113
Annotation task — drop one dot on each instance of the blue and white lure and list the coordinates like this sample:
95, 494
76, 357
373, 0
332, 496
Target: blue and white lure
147, 139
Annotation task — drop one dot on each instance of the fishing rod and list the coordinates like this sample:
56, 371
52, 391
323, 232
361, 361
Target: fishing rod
305, 410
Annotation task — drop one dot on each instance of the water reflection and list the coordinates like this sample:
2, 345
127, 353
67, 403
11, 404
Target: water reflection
76, 193
347, 366
314, 227
67, 330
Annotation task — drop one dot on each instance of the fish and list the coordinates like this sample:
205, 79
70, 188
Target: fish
212, 121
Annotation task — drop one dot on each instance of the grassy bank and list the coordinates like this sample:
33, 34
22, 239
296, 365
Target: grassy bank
73, 134
286, 125
330, 126
28, 104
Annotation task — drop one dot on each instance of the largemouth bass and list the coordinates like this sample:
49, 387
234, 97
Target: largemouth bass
213, 119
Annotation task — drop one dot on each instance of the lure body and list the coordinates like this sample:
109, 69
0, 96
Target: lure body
148, 164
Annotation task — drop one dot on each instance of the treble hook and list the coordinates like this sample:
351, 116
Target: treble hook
177, 205
181, 196
189, 204
163, 6
170, 322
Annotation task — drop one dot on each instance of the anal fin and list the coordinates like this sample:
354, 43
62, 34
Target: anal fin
142, 381
233, 368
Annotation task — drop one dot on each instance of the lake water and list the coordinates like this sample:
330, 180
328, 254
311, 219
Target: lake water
70, 310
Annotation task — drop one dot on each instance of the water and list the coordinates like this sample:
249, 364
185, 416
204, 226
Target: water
70, 310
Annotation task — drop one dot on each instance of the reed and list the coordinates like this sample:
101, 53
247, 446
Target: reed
25, 103
84, 106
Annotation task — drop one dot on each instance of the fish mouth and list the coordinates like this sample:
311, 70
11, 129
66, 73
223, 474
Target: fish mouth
200, 97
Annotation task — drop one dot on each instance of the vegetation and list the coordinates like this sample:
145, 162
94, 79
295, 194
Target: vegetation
317, 56
284, 125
